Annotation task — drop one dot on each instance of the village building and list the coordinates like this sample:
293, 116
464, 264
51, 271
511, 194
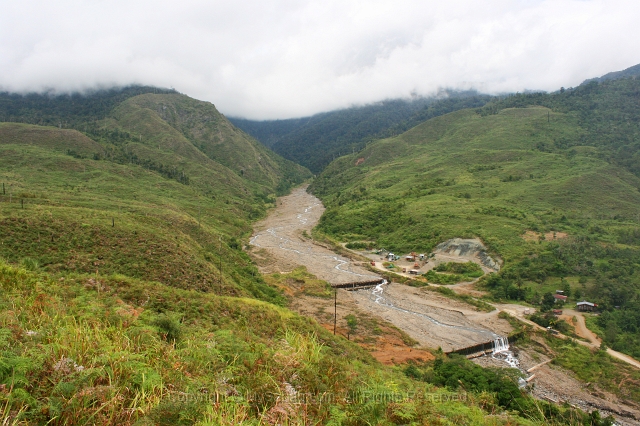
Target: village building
585, 306
560, 298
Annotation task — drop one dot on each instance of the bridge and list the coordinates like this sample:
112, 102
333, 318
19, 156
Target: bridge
357, 285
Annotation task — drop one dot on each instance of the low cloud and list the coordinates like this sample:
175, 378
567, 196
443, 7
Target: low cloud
285, 58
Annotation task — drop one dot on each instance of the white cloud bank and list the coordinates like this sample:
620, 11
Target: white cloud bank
286, 58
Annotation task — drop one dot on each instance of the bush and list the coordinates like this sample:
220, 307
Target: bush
170, 328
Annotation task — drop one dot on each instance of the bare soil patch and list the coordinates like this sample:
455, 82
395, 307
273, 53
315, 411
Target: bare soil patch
549, 236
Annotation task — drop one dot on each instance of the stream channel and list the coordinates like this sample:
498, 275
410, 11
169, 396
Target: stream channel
430, 322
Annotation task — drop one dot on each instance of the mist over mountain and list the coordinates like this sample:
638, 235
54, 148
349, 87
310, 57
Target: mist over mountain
633, 71
133, 291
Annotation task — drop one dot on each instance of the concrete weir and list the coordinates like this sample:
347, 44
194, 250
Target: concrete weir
480, 348
357, 285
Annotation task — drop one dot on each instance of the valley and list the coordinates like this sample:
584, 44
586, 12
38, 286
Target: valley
281, 243
433, 321
207, 264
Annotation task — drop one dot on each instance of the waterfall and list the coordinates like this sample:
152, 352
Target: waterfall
500, 344
501, 351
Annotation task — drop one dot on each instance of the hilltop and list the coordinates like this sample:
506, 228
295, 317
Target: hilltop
633, 71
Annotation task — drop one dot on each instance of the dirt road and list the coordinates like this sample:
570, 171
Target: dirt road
580, 329
584, 332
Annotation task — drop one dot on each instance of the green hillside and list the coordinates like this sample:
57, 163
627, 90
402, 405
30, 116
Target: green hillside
464, 174
161, 188
315, 141
81, 349
126, 297
509, 176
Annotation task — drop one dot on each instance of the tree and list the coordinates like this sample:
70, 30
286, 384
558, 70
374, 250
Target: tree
566, 288
547, 302
352, 323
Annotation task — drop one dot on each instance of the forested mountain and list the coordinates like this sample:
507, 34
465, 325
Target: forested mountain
67, 110
608, 114
508, 173
315, 141
633, 71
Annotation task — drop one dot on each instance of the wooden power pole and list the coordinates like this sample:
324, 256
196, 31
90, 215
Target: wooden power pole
335, 310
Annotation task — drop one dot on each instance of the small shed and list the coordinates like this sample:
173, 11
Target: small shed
414, 271
557, 312
585, 306
560, 298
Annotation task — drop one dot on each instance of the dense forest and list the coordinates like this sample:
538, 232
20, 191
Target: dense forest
316, 141
72, 110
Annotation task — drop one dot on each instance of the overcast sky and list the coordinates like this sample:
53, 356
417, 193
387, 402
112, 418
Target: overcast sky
266, 59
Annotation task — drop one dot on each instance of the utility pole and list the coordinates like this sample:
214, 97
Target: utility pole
335, 310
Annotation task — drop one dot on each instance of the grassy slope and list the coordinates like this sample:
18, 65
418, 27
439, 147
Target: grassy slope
114, 350
133, 214
71, 206
495, 177
196, 131
464, 175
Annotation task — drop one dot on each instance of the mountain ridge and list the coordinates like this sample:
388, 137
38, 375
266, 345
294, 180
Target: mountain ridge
633, 72
315, 141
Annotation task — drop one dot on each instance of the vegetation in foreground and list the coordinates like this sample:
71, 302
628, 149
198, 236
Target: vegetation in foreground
114, 350
456, 372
